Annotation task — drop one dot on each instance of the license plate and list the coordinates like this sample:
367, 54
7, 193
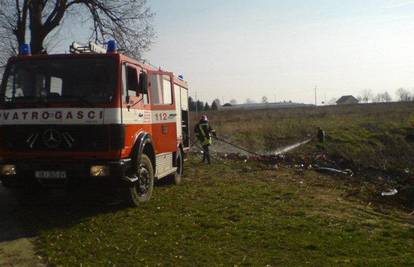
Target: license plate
50, 174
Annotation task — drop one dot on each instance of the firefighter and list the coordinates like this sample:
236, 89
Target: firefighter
204, 133
321, 135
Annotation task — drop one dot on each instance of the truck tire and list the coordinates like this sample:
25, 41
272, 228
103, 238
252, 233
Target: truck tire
176, 178
141, 191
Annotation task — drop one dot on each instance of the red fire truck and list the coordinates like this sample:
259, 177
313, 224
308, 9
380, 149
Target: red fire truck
91, 116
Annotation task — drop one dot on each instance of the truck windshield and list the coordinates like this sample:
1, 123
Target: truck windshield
60, 80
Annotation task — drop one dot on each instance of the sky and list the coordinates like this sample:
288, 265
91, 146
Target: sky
239, 49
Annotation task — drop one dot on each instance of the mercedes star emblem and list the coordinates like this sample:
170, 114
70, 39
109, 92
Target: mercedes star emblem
52, 138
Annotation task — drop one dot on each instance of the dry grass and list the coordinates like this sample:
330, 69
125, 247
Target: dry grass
370, 136
240, 214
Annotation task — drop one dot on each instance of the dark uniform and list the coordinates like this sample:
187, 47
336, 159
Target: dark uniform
321, 135
204, 133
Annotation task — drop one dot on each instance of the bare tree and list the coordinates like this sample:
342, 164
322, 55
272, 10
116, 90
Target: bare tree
128, 22
250, 101
366, 95
377, 98
217, 101
265, 100
403, 95
382, 98
386, 97
6, 46
214, 105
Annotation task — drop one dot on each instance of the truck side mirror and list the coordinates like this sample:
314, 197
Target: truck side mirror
143, 83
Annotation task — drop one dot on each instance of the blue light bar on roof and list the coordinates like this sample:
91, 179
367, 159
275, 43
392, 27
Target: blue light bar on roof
112, 47
25, 50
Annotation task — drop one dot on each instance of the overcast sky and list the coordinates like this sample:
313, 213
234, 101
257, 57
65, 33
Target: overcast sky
283, 49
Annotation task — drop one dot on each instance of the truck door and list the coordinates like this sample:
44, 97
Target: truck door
133, 105
164, 114
184, 119
181, 106
177, 98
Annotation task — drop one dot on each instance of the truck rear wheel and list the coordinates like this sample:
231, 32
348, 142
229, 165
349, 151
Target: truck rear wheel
141, 191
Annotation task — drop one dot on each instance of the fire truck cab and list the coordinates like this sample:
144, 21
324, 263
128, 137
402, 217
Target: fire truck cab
91, 116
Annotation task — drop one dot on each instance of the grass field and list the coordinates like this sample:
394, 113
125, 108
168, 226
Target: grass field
234, 214
368, 136
250, 214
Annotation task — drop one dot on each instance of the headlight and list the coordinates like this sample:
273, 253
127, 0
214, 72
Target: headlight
99, 171
8, 170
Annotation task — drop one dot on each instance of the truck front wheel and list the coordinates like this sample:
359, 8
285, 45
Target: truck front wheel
141, 190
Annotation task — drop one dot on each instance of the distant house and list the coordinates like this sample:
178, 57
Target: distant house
347, 100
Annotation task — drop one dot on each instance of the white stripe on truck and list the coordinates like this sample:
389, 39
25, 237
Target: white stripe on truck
87, 116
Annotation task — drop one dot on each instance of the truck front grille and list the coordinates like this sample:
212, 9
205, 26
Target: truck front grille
62, 138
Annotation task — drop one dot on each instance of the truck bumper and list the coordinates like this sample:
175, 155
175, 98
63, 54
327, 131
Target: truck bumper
74, 172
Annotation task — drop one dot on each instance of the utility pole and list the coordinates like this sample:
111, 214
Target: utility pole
316, 96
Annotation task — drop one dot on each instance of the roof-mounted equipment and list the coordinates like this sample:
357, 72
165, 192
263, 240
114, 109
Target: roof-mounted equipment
91, 48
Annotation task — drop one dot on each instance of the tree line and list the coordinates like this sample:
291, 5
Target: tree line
197, 105
402, 95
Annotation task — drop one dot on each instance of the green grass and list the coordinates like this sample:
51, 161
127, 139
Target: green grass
233, 214
370, 136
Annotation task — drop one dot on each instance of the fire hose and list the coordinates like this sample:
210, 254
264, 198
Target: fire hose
346, 172
194, 143
237, 146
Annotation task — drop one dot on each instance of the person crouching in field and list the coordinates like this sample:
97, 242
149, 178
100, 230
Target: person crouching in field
204, 133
